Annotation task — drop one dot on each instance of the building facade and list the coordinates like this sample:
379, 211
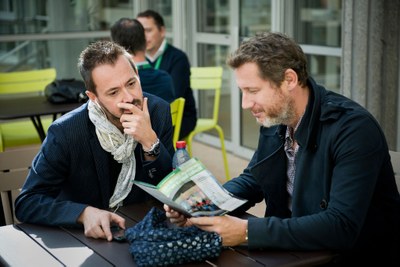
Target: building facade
352, 46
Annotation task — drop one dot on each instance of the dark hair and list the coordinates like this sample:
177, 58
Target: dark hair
129, 33
273, 53
96, 54
152, 14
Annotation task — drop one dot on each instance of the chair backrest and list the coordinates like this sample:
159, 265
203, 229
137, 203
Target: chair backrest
177, 107
31, 81
208, 78
14, 167
395, 159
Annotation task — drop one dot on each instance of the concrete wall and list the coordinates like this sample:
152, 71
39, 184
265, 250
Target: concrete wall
370, 62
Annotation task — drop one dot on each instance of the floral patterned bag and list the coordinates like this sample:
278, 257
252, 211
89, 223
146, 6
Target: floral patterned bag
152, 243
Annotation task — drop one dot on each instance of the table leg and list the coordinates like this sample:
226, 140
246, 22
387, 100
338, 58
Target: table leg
39, 127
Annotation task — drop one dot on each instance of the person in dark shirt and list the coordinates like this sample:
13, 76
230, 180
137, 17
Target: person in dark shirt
322, 165
165, 56
129, 33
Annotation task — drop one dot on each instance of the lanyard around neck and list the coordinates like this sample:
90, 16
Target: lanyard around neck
159, 59
158, 62
144, 66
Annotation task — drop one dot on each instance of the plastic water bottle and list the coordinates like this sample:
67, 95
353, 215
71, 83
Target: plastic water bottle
181, 155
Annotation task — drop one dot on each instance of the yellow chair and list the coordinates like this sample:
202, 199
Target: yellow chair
208, 78
22, 132
177, 107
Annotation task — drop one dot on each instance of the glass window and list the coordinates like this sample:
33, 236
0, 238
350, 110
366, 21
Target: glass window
64, 56
59, 54
318, 22
39, 16
255, 16
213, 16
71, 26
325, 70
164, 8
249, 129
215, 55
28, 55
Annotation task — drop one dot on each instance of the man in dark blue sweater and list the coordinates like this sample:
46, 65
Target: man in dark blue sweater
129, 33
169, 58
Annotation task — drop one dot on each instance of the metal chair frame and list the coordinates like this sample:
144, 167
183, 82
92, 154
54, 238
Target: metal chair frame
177, 106
208, 78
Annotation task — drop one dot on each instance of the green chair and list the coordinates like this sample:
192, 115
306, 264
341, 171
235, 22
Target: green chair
210, 79
12, 84
177, 107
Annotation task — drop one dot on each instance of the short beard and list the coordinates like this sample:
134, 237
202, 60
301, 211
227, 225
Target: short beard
111, 117
286, 116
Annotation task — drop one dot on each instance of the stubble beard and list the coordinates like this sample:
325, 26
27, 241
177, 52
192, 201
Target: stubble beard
116, 119
285, 116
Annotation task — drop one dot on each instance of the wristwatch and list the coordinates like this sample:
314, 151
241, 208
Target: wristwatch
154, 150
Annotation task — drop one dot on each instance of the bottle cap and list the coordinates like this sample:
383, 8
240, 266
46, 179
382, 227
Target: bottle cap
180, 144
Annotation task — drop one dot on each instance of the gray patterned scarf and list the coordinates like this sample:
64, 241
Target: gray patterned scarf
121, 146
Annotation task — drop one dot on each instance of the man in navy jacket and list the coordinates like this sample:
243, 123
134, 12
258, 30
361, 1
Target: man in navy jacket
86, 165
322, 165
165, 56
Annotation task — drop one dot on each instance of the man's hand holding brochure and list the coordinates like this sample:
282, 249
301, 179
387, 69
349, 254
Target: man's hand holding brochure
193, 190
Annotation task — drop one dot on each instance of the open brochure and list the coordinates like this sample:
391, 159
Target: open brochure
193, 190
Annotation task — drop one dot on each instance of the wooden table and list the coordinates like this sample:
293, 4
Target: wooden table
32, 107
35, 245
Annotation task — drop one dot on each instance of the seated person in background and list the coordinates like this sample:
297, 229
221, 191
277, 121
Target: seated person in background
129, 33
85, 167
322, 165
173, 60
